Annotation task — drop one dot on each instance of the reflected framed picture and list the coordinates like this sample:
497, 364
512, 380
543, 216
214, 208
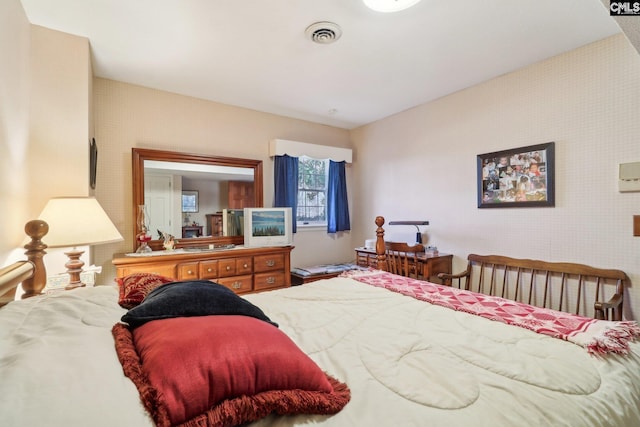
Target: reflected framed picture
520, 177
189, 201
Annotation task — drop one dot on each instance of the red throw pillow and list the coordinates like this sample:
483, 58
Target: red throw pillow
136, 286
223, 371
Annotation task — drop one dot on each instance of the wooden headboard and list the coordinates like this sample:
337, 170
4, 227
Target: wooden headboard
31, 273
10, 278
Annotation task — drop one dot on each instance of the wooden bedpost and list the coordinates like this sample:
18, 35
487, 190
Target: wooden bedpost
36, 229
381, 255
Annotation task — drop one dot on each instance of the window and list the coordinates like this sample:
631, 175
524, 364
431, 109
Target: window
312, 191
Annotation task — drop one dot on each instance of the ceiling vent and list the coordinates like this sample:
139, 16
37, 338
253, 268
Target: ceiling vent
323, 32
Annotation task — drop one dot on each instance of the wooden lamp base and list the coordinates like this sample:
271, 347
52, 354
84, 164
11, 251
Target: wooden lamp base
74, 268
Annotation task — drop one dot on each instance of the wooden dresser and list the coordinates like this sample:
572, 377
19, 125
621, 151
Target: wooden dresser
243, 270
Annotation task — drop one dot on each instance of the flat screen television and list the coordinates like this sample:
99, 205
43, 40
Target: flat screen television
267, 227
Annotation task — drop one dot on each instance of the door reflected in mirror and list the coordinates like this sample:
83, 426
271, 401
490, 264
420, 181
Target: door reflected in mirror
187, 194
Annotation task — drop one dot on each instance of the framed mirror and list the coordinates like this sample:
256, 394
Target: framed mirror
222, 184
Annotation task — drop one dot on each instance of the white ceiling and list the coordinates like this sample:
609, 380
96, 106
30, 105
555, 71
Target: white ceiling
254, 53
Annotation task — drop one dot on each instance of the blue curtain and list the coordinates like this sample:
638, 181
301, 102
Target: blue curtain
337, 205
285, 180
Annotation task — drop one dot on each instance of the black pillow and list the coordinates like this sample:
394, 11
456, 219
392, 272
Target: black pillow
192, 298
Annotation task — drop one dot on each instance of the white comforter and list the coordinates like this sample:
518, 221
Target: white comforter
407, 363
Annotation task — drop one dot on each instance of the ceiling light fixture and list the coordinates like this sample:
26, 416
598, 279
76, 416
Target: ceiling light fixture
389, 5
323, 32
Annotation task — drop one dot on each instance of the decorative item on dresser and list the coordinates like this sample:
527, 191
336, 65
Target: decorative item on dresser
243, 270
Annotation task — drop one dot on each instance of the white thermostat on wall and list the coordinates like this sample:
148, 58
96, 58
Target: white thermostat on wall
629, 177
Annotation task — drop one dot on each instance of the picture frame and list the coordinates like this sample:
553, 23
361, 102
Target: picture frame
190, 201
93, 163
519, 177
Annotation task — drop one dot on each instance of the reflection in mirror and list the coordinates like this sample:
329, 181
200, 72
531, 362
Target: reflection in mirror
222, 185
189, 198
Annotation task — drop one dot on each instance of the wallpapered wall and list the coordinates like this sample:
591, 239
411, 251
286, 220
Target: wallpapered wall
586, 100
45, 120
129, 116
14, 127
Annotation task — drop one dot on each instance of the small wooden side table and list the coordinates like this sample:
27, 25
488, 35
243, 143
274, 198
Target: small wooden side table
430, 264
298, 279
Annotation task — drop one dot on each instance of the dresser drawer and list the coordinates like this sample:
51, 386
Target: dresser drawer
234, 266
168, 270
188, 271
208, 269
271, 262
238, 284
272, 280
244, 265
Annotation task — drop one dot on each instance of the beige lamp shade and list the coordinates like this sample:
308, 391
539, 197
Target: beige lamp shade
77, 221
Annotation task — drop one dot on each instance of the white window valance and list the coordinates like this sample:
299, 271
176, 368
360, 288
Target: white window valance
280, 147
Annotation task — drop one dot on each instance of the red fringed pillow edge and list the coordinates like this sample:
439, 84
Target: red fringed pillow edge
230, 412
244, 409
132, 368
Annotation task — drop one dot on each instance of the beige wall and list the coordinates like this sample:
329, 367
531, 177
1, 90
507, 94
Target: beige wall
587, 101
44, 121
129, 116
14, 125
59, 115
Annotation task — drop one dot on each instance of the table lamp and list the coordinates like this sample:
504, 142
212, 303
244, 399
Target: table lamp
416, 223
77, 221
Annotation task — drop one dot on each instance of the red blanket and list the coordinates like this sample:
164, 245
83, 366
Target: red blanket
597, 336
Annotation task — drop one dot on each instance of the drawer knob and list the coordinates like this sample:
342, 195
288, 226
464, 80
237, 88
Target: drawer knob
228, 267
245, 265
209, 270
271, 263
236, 285
189, 272
271, 280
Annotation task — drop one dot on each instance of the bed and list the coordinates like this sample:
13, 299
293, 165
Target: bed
401, 352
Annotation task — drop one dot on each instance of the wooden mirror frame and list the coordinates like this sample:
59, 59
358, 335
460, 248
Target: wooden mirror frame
138, 157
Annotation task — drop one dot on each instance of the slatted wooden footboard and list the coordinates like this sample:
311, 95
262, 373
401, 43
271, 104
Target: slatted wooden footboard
568, 287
